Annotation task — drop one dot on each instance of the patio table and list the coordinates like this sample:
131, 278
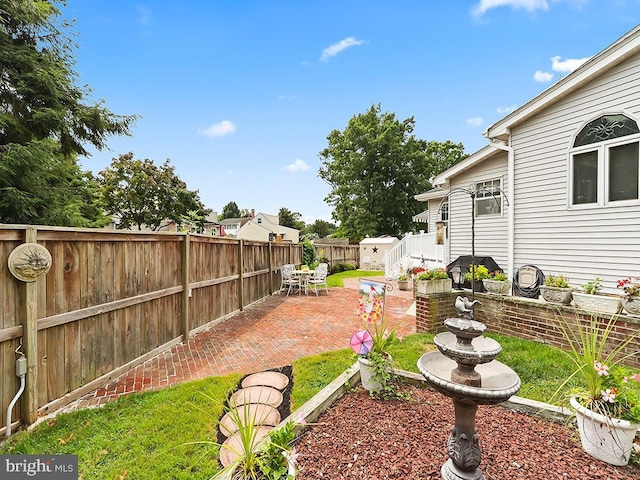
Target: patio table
304, 278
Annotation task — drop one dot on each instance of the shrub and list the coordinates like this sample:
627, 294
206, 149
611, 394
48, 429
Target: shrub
499, 276
342, 267
480, 272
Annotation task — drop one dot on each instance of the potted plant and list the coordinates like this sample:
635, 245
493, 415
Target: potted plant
498, 282
403, 282
372, 342
631, 298
435, 280
606, 398
556, 289
590, 299
476, 274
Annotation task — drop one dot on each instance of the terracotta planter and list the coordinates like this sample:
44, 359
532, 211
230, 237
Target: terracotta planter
501, 287
607, 304
607, 439
557, 295
631, 305
442, 285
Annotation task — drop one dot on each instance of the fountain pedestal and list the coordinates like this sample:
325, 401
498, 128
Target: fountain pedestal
465, 370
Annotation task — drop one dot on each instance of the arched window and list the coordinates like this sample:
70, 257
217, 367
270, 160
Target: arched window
605, 160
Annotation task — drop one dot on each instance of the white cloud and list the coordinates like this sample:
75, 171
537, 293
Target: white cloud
336, 48
144, 15
297, 166
530, 5
505, 110
475, 121
543, 77
221, 129
568, 65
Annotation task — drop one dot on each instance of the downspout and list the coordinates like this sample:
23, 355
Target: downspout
21, 372
511, 197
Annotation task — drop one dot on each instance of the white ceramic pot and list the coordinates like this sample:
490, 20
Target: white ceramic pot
608, 304
557, 295
500, 287
607, 439
631, 305
403, 284
367, 377
441, 285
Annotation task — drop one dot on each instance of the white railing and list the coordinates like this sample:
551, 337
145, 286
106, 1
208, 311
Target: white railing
413, 249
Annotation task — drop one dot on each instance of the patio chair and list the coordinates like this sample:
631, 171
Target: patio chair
289, 279
319, 278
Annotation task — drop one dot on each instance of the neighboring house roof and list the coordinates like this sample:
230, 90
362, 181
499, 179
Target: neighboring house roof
437, 192
623, 48
467, 163
378, 240
234, 221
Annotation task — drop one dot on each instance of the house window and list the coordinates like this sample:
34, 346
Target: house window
605, 161
259, 219
444, 211
488, 198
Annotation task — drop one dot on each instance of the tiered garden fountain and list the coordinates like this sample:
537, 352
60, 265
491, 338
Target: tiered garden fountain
465, 370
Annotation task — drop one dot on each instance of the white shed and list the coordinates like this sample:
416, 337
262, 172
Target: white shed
372, 251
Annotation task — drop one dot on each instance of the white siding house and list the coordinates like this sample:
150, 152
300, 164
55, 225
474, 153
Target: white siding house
568, 162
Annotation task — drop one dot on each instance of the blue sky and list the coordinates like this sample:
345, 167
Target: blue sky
241, 95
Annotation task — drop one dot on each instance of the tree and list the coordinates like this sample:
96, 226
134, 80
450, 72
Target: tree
38, 185
375, 167
142, 194
321, 228
230, 210
290, 219
45, 121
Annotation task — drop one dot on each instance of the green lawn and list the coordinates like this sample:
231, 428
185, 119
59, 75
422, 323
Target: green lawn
144, 436
335, 280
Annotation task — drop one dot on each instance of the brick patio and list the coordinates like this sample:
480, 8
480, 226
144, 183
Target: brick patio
268, 334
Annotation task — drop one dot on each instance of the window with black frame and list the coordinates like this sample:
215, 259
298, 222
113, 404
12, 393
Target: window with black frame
605, 161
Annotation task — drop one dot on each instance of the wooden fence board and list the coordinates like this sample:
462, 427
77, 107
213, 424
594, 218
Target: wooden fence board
112, 298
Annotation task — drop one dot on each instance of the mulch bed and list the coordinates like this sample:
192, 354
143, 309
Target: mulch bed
366, 439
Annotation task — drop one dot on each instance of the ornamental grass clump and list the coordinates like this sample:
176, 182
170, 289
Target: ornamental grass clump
605, 385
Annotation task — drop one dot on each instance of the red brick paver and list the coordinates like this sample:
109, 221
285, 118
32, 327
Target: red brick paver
268, 334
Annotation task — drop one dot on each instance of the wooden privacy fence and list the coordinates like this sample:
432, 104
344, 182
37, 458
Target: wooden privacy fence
335, 254
113, 299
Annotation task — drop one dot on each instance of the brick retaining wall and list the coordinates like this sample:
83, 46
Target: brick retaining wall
522, 317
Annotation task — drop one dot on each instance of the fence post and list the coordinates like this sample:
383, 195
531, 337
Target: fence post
240, 281
30, 343
186, 290
270, 261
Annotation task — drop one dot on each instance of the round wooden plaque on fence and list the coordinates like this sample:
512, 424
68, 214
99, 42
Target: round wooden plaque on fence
29, 261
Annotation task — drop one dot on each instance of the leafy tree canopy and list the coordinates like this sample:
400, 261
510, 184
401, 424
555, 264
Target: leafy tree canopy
142, 194
290, 219
375, 167
38, 95
46, 120
320, 229
39, 186
230, 210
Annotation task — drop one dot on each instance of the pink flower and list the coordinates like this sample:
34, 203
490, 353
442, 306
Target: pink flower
635, 377
608, 395
601, 369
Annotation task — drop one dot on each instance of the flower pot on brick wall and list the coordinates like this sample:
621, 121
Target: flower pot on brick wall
557, 295
434, 286
608, 304
501, 287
